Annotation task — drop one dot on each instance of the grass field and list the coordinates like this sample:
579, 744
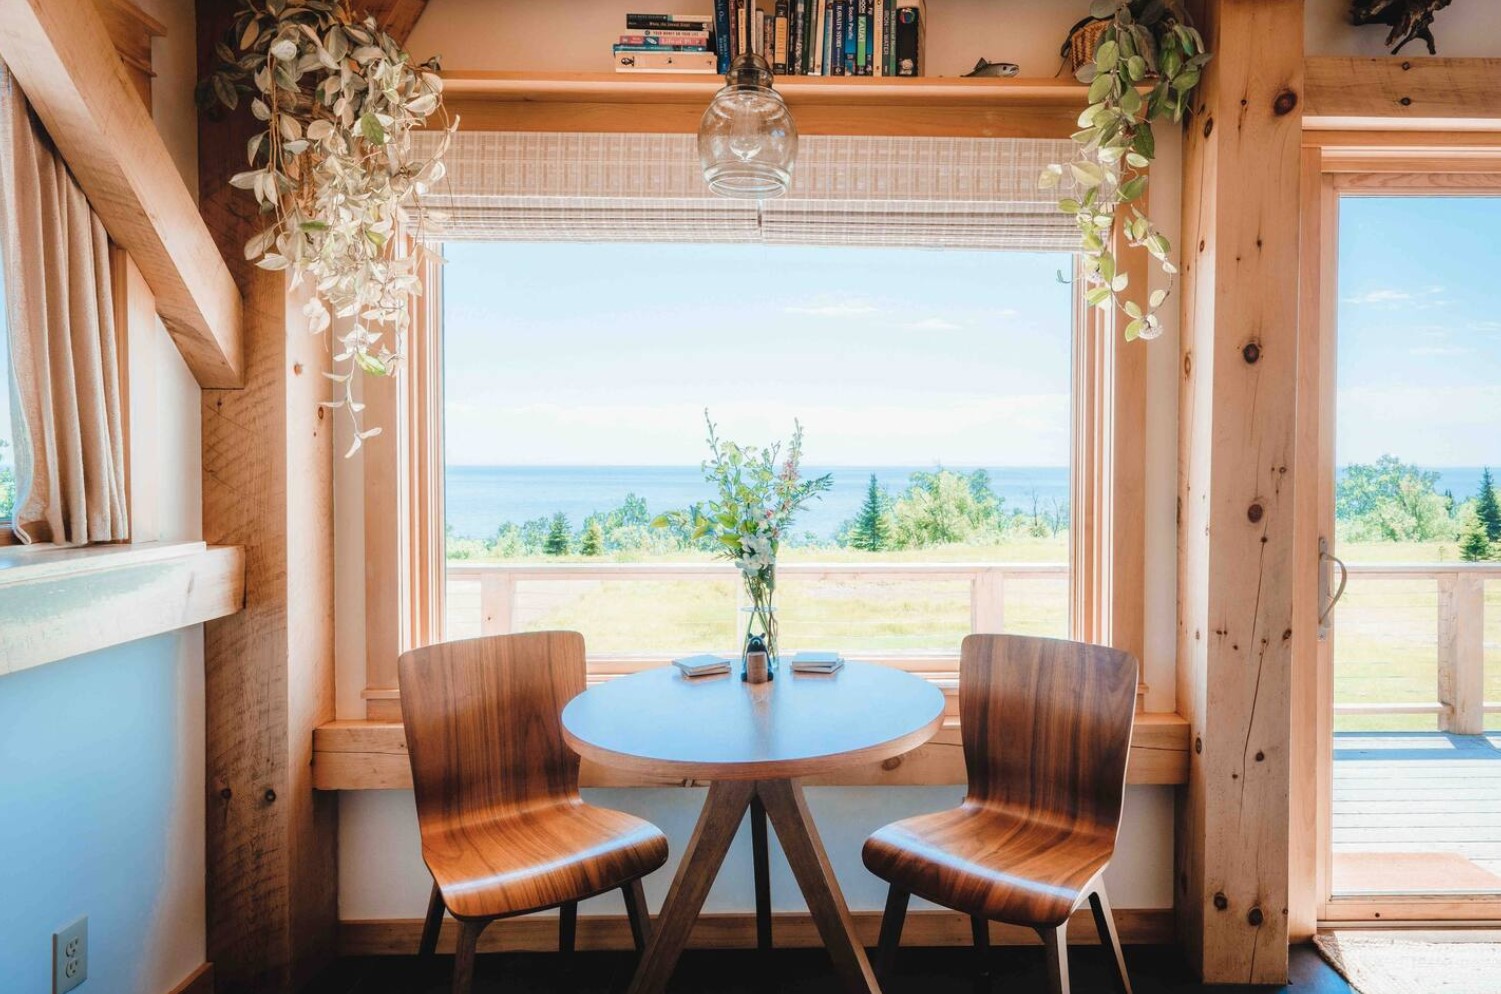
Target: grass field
1386, 631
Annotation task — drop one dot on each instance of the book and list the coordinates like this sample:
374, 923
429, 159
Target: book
836, 37
722, 34
781, 36
862, 38
909, 37
851, 29
667, 61
820, 39
888, 37
687, 22
797, 28
817, 662
698, 38
704, 664
659, 48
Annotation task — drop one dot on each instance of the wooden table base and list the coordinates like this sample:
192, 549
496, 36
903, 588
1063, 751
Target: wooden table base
723, 812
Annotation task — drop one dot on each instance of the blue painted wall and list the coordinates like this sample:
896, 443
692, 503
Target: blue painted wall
101, 814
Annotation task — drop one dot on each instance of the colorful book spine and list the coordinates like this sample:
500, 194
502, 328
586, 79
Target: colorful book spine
888, 37
659, 61
641, 22
909, 38
862, 37
836, 38
781, 38
722, 34
851, 31
699, 38
660, 48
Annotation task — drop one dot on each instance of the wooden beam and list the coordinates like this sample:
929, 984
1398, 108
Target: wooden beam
1236, 417
396, 17
372, 755
793, 930
267, 479
58, 603
62, 56
1407, 93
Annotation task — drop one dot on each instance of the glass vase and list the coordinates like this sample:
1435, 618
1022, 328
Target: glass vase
761, 615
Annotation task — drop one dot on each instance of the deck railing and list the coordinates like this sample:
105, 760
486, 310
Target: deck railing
1460, 704
499, 583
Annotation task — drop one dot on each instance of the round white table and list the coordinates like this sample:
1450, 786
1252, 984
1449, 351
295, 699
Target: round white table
752, 743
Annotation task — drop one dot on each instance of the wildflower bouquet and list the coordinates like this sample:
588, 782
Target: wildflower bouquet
759, 493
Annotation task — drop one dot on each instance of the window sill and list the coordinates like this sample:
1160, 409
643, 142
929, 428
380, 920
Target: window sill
372, 755
60, 602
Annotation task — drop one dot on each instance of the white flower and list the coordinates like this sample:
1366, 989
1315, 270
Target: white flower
755, 554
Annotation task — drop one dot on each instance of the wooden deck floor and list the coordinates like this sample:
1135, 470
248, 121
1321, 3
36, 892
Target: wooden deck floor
1417, 811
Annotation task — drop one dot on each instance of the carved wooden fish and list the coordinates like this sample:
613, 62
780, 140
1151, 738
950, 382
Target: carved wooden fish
987, 68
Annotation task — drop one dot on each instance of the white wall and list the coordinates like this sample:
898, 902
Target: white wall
102, 756
380, 870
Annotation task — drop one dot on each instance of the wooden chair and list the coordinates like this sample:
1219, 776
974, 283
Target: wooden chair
1046, 726
504, 831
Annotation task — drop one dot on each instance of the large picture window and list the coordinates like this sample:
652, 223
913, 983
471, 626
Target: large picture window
934, 386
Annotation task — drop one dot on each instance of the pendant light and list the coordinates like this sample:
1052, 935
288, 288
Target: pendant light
747, 141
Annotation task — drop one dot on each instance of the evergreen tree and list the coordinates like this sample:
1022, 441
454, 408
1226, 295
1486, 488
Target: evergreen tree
559, 536
1487, 509
870, 533
1476, 547
593, 542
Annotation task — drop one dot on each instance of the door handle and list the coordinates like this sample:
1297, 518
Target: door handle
1326, 600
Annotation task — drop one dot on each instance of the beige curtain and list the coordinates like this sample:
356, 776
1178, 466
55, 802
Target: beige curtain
65, 378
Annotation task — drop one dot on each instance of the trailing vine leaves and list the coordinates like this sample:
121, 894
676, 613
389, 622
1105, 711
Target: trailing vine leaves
1148, 41
333, 168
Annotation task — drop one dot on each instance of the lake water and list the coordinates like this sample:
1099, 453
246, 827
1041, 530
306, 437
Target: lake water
481, 498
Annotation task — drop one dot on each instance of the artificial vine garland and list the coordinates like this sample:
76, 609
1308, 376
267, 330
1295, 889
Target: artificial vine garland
1147, 40
334, 168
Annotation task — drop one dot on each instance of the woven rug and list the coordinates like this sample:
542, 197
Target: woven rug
1391, 963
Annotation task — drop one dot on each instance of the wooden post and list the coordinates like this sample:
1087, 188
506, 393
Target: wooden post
497, 592
987, 602
1461, 653
1240, 257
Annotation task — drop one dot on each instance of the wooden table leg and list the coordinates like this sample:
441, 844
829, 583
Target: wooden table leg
788, 811
761, 861
717, 824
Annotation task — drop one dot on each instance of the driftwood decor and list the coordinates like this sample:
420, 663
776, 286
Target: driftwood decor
1408, 19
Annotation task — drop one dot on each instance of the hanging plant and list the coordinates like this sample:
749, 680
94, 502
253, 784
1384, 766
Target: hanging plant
333, 169
1143, 41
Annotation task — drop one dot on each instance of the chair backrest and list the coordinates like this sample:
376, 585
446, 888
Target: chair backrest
1046, 725
484, 723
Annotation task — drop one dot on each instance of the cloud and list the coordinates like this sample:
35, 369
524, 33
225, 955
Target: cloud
1484, 326
1430, 296
833, 308
1380, 297
934, 324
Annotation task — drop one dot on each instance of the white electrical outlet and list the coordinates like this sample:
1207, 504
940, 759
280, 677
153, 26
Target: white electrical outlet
70, 956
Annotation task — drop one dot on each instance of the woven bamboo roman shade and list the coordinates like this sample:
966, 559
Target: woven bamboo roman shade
913, 192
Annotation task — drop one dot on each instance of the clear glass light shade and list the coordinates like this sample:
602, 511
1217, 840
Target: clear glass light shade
747, 141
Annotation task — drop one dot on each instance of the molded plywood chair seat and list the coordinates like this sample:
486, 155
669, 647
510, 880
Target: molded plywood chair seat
1046, 726
504, 831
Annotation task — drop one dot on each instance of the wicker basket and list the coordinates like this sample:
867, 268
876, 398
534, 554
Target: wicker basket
1084, 40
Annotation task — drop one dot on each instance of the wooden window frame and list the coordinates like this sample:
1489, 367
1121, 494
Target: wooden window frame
1338, 164
1107, 498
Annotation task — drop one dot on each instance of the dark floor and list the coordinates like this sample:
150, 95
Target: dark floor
1015, 970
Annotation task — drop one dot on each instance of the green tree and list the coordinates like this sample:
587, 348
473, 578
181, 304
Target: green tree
944, 507
1391, 501
593, 541
1486, 507
871, 532
7, 483
1476, 547
559, 536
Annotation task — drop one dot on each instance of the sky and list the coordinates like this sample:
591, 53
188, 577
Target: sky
607, 354
1419, 344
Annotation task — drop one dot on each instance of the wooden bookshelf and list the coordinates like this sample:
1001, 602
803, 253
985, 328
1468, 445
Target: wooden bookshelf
864, 105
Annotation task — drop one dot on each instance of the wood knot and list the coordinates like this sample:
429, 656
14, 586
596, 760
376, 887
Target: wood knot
1405, 101
1221, 902
1251, 352
1285, 102
1254, 916
1198, 744
225, 793
270, 796
892, 763
1188, 364
1407, 67
1208, 126
296, 369
1287, 633
1254, 513
320, 412
1260, 757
